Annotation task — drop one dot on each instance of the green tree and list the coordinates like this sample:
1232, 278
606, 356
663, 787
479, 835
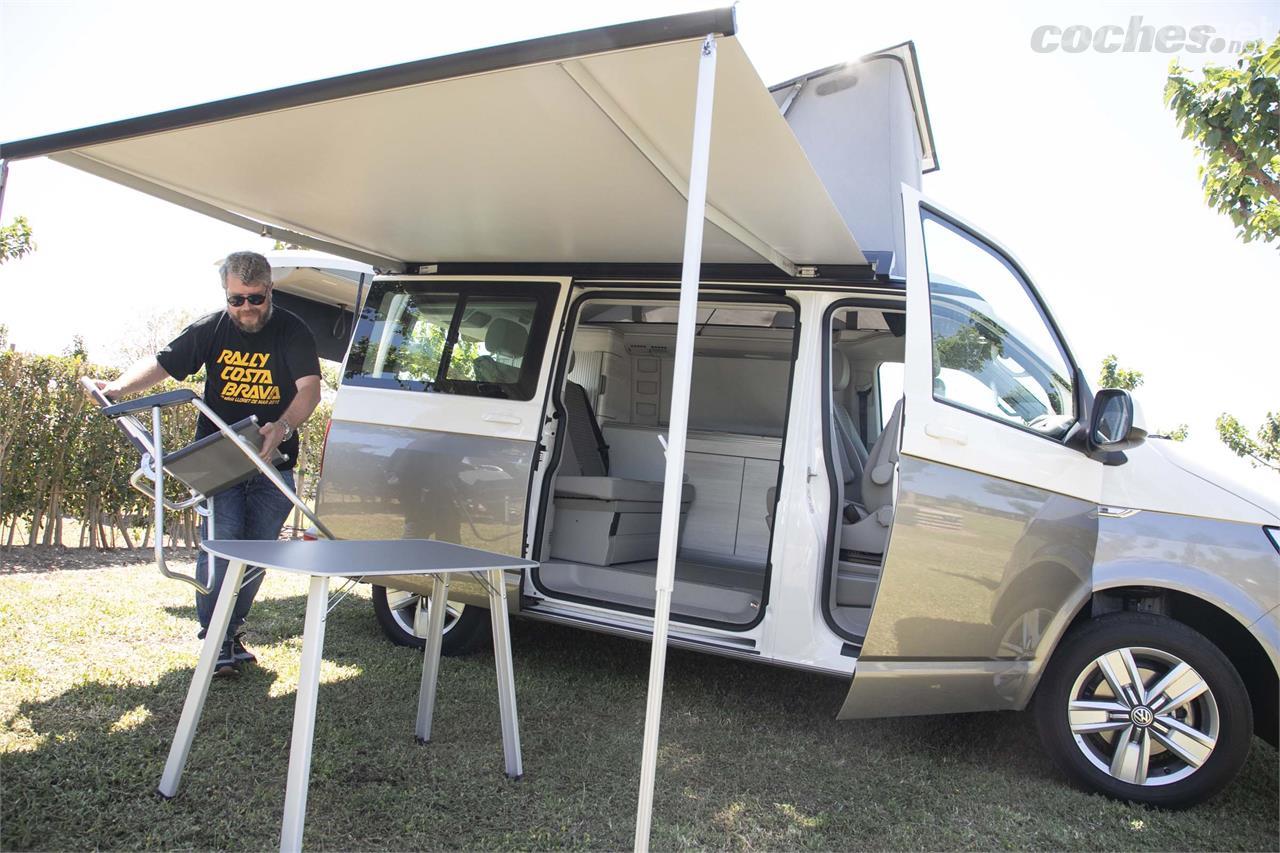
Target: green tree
15, 239
330, 375
1232, 116
1115, 376
1263, 451
77, 349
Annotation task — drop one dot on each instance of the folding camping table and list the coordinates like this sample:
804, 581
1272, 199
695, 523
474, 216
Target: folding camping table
322, 560
229, 456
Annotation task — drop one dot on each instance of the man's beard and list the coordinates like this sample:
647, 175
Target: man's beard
266, 318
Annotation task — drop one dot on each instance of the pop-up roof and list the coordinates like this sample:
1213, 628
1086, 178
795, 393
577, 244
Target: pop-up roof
572, 148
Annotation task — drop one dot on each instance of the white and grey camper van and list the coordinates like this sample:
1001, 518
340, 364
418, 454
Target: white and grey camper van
895, 472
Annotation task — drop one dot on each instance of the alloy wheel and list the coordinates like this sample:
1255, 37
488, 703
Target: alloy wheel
404, 607
1143, 716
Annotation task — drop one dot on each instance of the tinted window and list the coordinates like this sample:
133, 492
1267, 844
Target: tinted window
993, 351
447, 337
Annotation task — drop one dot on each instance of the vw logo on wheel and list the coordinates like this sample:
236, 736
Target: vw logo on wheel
1142, 716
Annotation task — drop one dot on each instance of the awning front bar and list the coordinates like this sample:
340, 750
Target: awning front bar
694, 25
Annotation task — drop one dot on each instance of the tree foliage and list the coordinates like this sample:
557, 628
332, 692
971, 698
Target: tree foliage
1232, 116
148, 333
1262, 451
1115, 376
60, 459
16, 239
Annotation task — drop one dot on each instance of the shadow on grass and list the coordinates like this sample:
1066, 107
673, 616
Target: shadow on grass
751, 756
56, 558
270, 620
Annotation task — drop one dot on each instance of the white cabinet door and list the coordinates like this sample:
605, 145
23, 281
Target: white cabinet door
713, 516
753, 528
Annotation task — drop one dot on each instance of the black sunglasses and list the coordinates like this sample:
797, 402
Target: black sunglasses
253, 299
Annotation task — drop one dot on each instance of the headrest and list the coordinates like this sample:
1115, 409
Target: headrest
839, 370
506, 337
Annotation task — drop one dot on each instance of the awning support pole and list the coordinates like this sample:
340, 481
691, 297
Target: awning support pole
674, 478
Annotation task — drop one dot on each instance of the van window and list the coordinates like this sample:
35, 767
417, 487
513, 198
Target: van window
481, 340
993, 351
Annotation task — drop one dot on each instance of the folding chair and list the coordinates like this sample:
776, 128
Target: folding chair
205, 467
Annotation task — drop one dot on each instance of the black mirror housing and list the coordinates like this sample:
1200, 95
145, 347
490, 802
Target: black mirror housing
1111, 422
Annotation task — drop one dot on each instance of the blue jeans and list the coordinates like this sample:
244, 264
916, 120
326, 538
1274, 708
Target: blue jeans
254, 509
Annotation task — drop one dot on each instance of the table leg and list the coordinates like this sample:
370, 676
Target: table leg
200, 679
304, 716
431, 656
506, 673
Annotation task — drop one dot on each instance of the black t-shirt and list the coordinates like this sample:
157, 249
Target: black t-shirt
245, 374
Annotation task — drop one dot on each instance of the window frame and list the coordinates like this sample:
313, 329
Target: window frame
542, 294
927, 213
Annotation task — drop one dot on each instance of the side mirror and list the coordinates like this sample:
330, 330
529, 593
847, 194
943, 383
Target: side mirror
1116, 423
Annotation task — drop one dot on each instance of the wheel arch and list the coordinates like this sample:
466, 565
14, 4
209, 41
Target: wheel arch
1243, 642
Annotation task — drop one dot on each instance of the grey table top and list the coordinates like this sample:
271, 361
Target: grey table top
356, 557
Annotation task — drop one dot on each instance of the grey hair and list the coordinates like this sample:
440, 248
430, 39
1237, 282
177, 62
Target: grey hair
249, 267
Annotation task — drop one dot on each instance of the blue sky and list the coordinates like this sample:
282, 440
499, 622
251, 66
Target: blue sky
1070, 159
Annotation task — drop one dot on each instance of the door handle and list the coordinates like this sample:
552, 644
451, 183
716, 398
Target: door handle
501, 419
946, 433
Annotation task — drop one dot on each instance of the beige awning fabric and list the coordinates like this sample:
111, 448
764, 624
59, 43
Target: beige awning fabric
580, 158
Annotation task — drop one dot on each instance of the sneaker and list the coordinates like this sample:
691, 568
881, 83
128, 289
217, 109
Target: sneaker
239, 652
227, 663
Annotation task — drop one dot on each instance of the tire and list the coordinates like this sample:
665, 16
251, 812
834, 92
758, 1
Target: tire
1159, 748
465, 625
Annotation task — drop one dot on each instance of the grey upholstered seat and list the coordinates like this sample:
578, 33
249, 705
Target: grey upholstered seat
871, 534
600, 519
853, 451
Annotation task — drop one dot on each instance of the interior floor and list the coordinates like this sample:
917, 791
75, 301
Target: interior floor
705, 591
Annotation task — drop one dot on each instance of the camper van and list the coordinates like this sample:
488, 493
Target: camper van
896, 472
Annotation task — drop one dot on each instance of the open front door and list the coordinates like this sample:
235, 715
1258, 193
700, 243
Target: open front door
995, 511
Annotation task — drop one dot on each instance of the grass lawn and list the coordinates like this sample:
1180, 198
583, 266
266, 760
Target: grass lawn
98, 654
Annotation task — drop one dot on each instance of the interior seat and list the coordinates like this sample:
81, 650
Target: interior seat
600, 519
853, 451
506, 338
870, 534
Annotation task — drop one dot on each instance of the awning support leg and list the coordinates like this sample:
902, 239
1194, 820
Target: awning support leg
677, 433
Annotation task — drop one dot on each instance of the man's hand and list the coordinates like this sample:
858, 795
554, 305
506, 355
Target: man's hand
103, 386
144, 374
304, 403
272, 434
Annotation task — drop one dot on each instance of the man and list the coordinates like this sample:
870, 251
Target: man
258, 360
